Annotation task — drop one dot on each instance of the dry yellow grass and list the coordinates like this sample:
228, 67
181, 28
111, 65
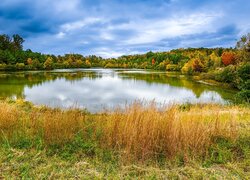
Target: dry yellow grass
148, 132
54, 126
59, 127
137, 132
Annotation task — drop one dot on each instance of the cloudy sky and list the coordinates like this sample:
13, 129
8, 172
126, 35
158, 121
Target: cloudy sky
111, 28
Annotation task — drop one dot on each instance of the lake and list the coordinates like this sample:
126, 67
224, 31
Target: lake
96, 89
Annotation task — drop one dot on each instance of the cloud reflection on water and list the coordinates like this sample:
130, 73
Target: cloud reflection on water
111, 90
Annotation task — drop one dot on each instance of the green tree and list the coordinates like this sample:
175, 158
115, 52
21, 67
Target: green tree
17, 42
243, 45
5, 42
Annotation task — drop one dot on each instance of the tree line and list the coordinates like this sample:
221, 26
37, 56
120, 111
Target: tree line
229, 65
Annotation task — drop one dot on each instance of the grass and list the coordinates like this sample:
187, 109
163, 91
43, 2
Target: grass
35, 164
181, 141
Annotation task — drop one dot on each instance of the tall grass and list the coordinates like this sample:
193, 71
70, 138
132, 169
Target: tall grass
147, 132
138, 132
52, 126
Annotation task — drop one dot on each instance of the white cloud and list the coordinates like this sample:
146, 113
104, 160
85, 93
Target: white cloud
60, 35
80, 24
105, 35
113, 28
108, 53
66, 5
150, 31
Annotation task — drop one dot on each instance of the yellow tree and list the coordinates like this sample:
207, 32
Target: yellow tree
187, 68
48, 64
215, 59
88, 62
29, 61
70, 61
79, 63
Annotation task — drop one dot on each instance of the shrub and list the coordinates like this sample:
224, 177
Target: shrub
2, 66
172, 67
243, 83
10, 67
226, 75
20, 66
243, 96
243, 74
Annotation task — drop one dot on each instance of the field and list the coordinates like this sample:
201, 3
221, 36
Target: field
181, 141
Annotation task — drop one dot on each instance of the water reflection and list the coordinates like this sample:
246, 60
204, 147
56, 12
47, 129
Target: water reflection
97, 88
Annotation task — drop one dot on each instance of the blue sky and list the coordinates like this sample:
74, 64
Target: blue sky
111, 28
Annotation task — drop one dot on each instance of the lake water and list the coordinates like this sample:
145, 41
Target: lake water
96, 89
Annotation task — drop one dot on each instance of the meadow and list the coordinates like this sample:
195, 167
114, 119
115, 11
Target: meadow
145, 141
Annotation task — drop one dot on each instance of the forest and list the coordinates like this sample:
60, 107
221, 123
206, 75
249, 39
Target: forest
226, 65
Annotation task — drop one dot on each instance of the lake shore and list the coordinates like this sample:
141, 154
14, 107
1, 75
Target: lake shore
183, 141
98, 89
199, 77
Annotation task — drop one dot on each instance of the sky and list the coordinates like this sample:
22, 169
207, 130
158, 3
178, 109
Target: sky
111, 28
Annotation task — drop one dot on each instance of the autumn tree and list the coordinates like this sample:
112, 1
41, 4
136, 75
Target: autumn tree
79, 63
153, 61
70, 61
48, 64
228, 58
87, 62
29, 61
187, 68
215, 59
197, 65
66, 64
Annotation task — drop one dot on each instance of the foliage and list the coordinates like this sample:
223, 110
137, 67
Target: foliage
187, 69
13, 43
48, 64
243, 96
227, 74
243, 73
20, 66
153, 61
243, 83
243, 45
222, 64
172, 67
228, 58
188, 60
29, 61
197, 65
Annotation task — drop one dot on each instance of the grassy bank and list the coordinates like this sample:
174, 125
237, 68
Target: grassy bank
177, 142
